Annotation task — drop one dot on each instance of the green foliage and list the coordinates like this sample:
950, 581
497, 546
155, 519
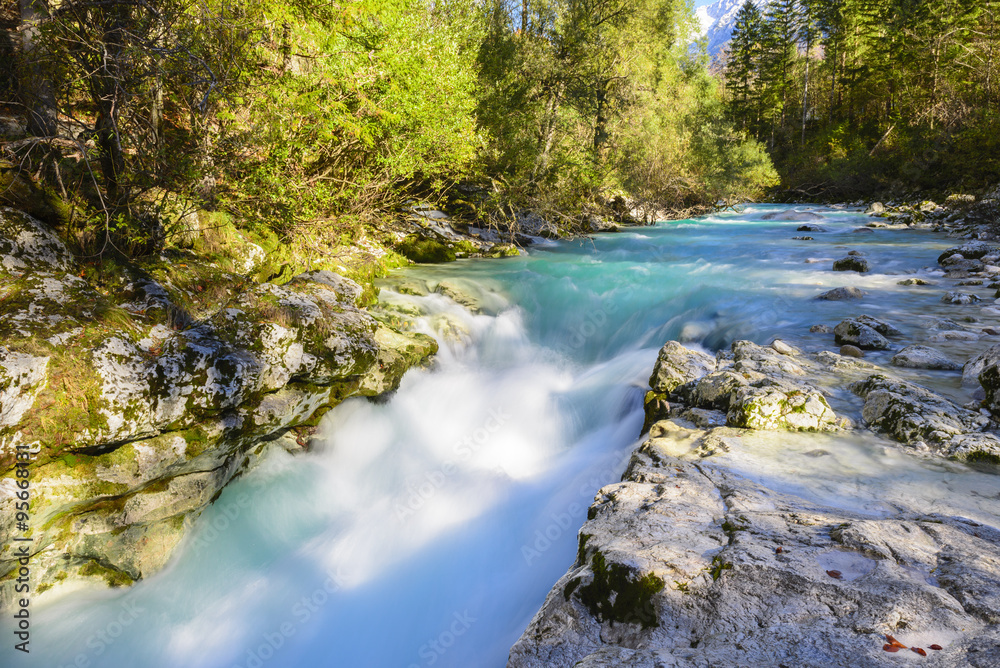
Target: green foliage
594, 99
380, 98
867, 94
310, 120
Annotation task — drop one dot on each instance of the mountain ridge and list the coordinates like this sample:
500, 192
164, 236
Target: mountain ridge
718, 20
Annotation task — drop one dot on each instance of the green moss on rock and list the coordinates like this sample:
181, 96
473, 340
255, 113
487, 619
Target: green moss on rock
617, 594
425, 251
113, 577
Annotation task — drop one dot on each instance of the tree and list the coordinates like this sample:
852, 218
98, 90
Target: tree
744, 62
36, 87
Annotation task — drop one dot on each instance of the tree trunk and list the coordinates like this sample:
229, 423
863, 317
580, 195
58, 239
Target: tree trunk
547, 133
286, 47
105, 91
156, 99
805, 99
36, 89
601, 123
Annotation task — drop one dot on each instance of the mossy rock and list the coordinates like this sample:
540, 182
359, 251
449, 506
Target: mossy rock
618, 594
425, 251
42, 203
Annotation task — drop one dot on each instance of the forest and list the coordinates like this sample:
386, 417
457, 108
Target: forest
857, 97
307, 116
302, 116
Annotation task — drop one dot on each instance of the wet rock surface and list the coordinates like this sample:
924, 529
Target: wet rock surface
924, 357
856, 333
842, 294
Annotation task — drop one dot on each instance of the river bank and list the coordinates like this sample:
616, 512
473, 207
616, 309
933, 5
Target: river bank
697, 558
129, 407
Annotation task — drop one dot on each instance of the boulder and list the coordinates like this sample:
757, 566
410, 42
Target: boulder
988, 364
27, 244
924, 357
821, 329
533, 225
676, 365
947, 324
880, 326
975, 366
780, 346
915, 281
810, 228
750, 358
972, 250
348, 292
914, 415
852, 263
858, 334
848, 359
875, 208
961, 298
772, 404
842, 294
957, 267
954, 335
713, 391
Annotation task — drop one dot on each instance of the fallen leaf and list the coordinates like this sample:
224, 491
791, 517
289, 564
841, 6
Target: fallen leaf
918, 650
936, 647
890, 648
837, 575
778, 550
895, 643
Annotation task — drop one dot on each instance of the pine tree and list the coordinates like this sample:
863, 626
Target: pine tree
743, 64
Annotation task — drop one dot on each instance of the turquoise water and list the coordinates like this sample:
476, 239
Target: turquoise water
428, 528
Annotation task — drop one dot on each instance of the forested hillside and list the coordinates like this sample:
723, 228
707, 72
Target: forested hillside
318, 118
859, 96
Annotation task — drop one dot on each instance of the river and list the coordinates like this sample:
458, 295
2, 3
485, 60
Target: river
426, 529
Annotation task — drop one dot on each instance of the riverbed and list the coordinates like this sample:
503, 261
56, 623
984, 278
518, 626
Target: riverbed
427, 528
